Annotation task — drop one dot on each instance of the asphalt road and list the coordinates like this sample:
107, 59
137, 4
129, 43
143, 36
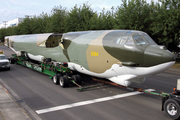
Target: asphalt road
38, 92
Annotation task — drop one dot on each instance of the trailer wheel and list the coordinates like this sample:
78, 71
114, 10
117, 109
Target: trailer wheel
77, 79
172, 108
64, 81
12, 60
56, 79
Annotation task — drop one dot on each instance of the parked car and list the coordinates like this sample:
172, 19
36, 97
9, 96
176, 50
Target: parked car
4, 62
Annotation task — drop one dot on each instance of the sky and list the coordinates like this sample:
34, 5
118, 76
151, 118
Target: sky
12, 9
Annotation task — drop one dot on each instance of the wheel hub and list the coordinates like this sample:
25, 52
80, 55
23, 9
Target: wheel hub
61, 82
171, 109
55, 80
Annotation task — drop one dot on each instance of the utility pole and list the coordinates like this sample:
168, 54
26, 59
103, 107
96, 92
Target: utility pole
27, 16
5, 23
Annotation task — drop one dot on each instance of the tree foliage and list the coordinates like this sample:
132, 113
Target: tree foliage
78, 19
133, 15
160, 20
57, 20
166, 24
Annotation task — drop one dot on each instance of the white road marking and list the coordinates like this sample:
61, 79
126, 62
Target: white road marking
62, 107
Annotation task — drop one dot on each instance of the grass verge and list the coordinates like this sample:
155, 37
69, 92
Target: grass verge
177, 64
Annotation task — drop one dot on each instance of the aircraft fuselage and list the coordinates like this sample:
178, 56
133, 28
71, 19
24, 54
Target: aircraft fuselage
122, 56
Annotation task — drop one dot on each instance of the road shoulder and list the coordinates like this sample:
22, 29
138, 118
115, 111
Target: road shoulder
12, 107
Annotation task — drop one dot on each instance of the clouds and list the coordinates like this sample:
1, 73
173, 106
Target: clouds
9, 14
8, 4
11, 9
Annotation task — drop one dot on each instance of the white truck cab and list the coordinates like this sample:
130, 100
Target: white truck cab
4, 62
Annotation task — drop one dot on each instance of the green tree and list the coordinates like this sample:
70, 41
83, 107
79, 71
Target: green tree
79, 19
106, 20
133, 15
25, 26
38, 24
166, 23
2, 34
57, 20
95, 22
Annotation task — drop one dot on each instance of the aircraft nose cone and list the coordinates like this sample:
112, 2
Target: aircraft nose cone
167, 56
155, 55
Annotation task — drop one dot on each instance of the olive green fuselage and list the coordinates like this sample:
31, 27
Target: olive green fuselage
97, 51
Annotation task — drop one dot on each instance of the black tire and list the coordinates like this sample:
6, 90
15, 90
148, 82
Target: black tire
172, 108
77, 79
64, 81
56, 79
12, 60
8, 68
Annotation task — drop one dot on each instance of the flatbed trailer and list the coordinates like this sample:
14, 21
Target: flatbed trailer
61, 74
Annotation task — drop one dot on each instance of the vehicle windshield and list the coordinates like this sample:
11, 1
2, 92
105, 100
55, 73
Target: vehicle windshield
2, 57
149, 40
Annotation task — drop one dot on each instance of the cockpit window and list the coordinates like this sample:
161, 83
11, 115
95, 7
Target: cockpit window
139, 40
123, 40
130, 41
149, 39
118, 40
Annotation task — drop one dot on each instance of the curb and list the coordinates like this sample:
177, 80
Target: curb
22, 105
